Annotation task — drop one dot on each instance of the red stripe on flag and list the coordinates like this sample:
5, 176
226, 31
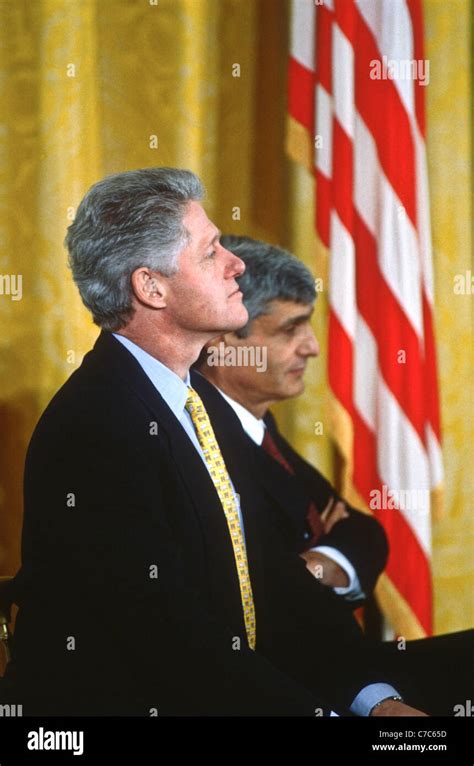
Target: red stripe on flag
324, 24
416, 13
301, 94
324, 185
342, 174
345, 16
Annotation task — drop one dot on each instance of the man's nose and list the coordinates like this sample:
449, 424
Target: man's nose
235, 267
310, 345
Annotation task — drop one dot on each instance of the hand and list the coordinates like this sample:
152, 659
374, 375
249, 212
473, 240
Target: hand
325, 569
334, 512
395, 708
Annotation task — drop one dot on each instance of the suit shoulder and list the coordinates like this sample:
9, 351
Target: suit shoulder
92, 407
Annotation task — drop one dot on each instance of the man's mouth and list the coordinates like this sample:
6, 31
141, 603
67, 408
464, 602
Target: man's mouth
236, 292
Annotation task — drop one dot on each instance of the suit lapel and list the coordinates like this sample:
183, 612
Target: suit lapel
284, 488
311, 481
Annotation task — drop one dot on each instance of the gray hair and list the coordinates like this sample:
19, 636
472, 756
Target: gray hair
271, 273
126, 221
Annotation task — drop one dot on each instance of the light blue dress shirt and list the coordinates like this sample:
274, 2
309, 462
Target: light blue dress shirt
175, 392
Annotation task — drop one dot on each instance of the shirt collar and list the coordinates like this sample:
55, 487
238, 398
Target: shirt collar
252, 426
173, 390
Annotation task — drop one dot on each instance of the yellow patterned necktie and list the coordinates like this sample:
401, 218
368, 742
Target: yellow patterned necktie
221, 479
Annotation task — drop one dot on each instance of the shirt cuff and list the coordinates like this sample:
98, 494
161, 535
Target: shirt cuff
369, 696
353, 591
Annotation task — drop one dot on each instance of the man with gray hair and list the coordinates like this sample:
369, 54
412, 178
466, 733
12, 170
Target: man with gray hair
117, 482
345, 548
150, 584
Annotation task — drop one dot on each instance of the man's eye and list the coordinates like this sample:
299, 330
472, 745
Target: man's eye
211, 254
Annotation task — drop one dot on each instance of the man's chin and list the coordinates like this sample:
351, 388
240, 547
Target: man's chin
236, 319
295, 388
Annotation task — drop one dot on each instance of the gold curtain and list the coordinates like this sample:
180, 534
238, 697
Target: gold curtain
90, 87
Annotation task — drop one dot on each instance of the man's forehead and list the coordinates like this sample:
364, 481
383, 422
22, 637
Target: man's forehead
201, 228
280, 314
284, 309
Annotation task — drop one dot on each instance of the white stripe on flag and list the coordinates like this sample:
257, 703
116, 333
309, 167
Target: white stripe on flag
342, 275
343, 80
323, 154
365, 374
302, 38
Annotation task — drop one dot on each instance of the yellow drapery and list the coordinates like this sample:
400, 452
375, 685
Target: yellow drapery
97, 86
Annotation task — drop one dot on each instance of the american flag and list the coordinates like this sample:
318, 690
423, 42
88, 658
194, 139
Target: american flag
357, 80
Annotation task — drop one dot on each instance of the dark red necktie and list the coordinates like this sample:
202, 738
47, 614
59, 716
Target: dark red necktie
312, 517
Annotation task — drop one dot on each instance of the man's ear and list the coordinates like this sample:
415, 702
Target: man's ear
149, 287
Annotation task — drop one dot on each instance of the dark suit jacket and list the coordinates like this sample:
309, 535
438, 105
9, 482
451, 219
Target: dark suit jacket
128, 593
361, 538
